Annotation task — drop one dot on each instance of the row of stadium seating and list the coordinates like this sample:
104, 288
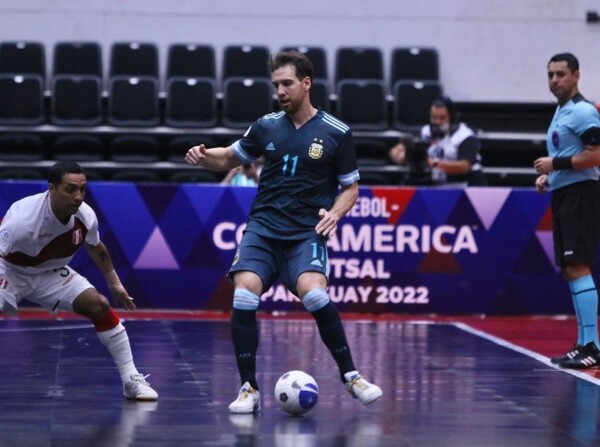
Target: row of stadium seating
131, 114
199, 61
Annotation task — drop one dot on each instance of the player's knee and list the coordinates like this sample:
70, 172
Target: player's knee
245, 300
315, 299
91, 304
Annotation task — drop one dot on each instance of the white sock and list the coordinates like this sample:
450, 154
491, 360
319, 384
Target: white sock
117, 343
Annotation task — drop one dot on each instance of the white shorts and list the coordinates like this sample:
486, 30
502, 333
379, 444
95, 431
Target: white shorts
53, 290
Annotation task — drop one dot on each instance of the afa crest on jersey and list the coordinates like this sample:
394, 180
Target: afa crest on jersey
315, 151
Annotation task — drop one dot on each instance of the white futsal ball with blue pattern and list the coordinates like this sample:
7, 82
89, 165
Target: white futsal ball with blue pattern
296, 392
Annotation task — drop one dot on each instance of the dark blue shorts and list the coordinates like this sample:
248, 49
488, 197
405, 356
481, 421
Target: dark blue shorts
271, 259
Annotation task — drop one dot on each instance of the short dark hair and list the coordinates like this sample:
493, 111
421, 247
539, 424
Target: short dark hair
569, 58
59, 169
446, 103
302, 63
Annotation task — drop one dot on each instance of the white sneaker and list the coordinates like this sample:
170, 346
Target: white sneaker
248, 400
360, 389
137, 388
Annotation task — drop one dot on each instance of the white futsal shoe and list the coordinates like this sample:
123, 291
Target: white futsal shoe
247, 401
360, 389
138, 389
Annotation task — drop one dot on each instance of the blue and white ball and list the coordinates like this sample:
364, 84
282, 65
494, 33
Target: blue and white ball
296, 392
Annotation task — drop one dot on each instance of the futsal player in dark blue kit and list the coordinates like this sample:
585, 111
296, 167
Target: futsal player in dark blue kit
308, 154
571, 172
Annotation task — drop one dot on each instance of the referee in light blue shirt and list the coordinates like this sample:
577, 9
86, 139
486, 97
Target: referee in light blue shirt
571, 172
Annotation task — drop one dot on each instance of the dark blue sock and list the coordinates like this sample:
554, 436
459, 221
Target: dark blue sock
334, 336
244, 332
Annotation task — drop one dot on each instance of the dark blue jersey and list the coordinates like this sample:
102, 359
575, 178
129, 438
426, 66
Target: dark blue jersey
302, 171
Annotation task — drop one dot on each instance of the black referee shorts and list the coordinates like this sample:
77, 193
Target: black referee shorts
576, 220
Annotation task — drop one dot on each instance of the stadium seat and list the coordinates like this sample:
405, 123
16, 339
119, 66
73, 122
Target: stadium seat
412, 101
414, 63
190, 61
22, 147
21, 99
319, 95
79, 148
134, 149
135, 175
362, 104
358, 63
190, 102
372, 151
134, 59
76, 100
23, 58
77, 58
317, 56
21, 174
245, 61
245, 100
133, 101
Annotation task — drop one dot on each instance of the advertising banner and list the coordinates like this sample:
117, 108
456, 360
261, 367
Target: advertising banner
406, 250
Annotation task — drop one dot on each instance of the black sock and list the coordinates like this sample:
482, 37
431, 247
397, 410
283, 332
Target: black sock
244, 332
334, 336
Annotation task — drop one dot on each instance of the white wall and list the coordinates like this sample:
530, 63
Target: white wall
490, 50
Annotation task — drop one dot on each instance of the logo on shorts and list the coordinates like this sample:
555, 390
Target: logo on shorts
77, 236
315, 150
3, 283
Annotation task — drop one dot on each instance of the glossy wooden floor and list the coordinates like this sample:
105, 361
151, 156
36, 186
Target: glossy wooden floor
447, 382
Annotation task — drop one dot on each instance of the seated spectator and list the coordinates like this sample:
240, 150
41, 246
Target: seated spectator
453, 149
244, 175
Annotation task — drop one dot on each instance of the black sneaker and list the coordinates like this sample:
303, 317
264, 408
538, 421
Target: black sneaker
587, 358
568, 356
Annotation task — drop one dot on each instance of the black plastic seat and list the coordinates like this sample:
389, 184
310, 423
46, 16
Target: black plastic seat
412, 101
414, 63
23, 57
245, 61
78, 147
76, 100
133, 101
77, 58
245, 100
362, 104
358, 63
22, 147
191, 61
317, 57
190, 102
134, 149
134, 59
21, 99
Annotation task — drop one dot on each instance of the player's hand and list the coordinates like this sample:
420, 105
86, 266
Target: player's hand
541, 183
328, 223
121, 296
543, 165
195, 156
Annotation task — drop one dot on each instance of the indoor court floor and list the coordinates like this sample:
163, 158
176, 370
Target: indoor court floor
447, 382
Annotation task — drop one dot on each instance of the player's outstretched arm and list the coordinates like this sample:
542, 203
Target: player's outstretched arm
215, 159
101, 258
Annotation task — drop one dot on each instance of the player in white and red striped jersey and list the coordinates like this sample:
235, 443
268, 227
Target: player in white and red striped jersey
39, 235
